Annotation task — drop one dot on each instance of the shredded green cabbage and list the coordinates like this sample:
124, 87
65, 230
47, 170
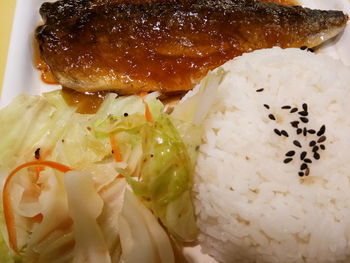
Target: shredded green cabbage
158, 160
165, 177
195, 106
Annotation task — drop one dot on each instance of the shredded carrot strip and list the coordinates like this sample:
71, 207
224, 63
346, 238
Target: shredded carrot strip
148, 113
38, 217
120, 176
143, 94
116, 153
6, 197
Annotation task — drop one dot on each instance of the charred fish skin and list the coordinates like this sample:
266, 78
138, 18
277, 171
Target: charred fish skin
63, 10
167, 46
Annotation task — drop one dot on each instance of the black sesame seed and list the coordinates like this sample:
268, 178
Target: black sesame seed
286, 107
277, 132
311, 50
290, 153
266, 106
284, 133
311, 131
303, 47
307, 160
315, 149
304, 107
152, 155
126, 114
297, 143
303, 155
272, 117
321, 131
259, 90
299, 130
312, 143
303, 113
37, 154
307, 171
304, 119
303, 166
317, 156
321, 139
293, 110
301, 174
304, 131
322, 147
294, 124
288, 160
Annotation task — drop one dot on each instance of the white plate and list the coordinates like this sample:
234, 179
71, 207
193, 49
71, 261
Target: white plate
22, 77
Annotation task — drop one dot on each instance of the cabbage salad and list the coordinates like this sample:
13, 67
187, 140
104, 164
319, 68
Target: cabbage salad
114, 186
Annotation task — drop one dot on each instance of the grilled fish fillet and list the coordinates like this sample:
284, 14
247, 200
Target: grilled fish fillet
94, 45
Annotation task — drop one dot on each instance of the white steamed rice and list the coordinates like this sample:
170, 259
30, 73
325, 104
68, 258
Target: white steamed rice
251, 206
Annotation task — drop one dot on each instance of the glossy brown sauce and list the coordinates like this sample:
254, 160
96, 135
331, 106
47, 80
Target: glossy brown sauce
87, 102
46, 74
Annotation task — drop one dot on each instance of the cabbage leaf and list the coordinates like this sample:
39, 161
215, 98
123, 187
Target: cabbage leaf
142, 238
6, 256
195, 106
165, 178
90, 245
